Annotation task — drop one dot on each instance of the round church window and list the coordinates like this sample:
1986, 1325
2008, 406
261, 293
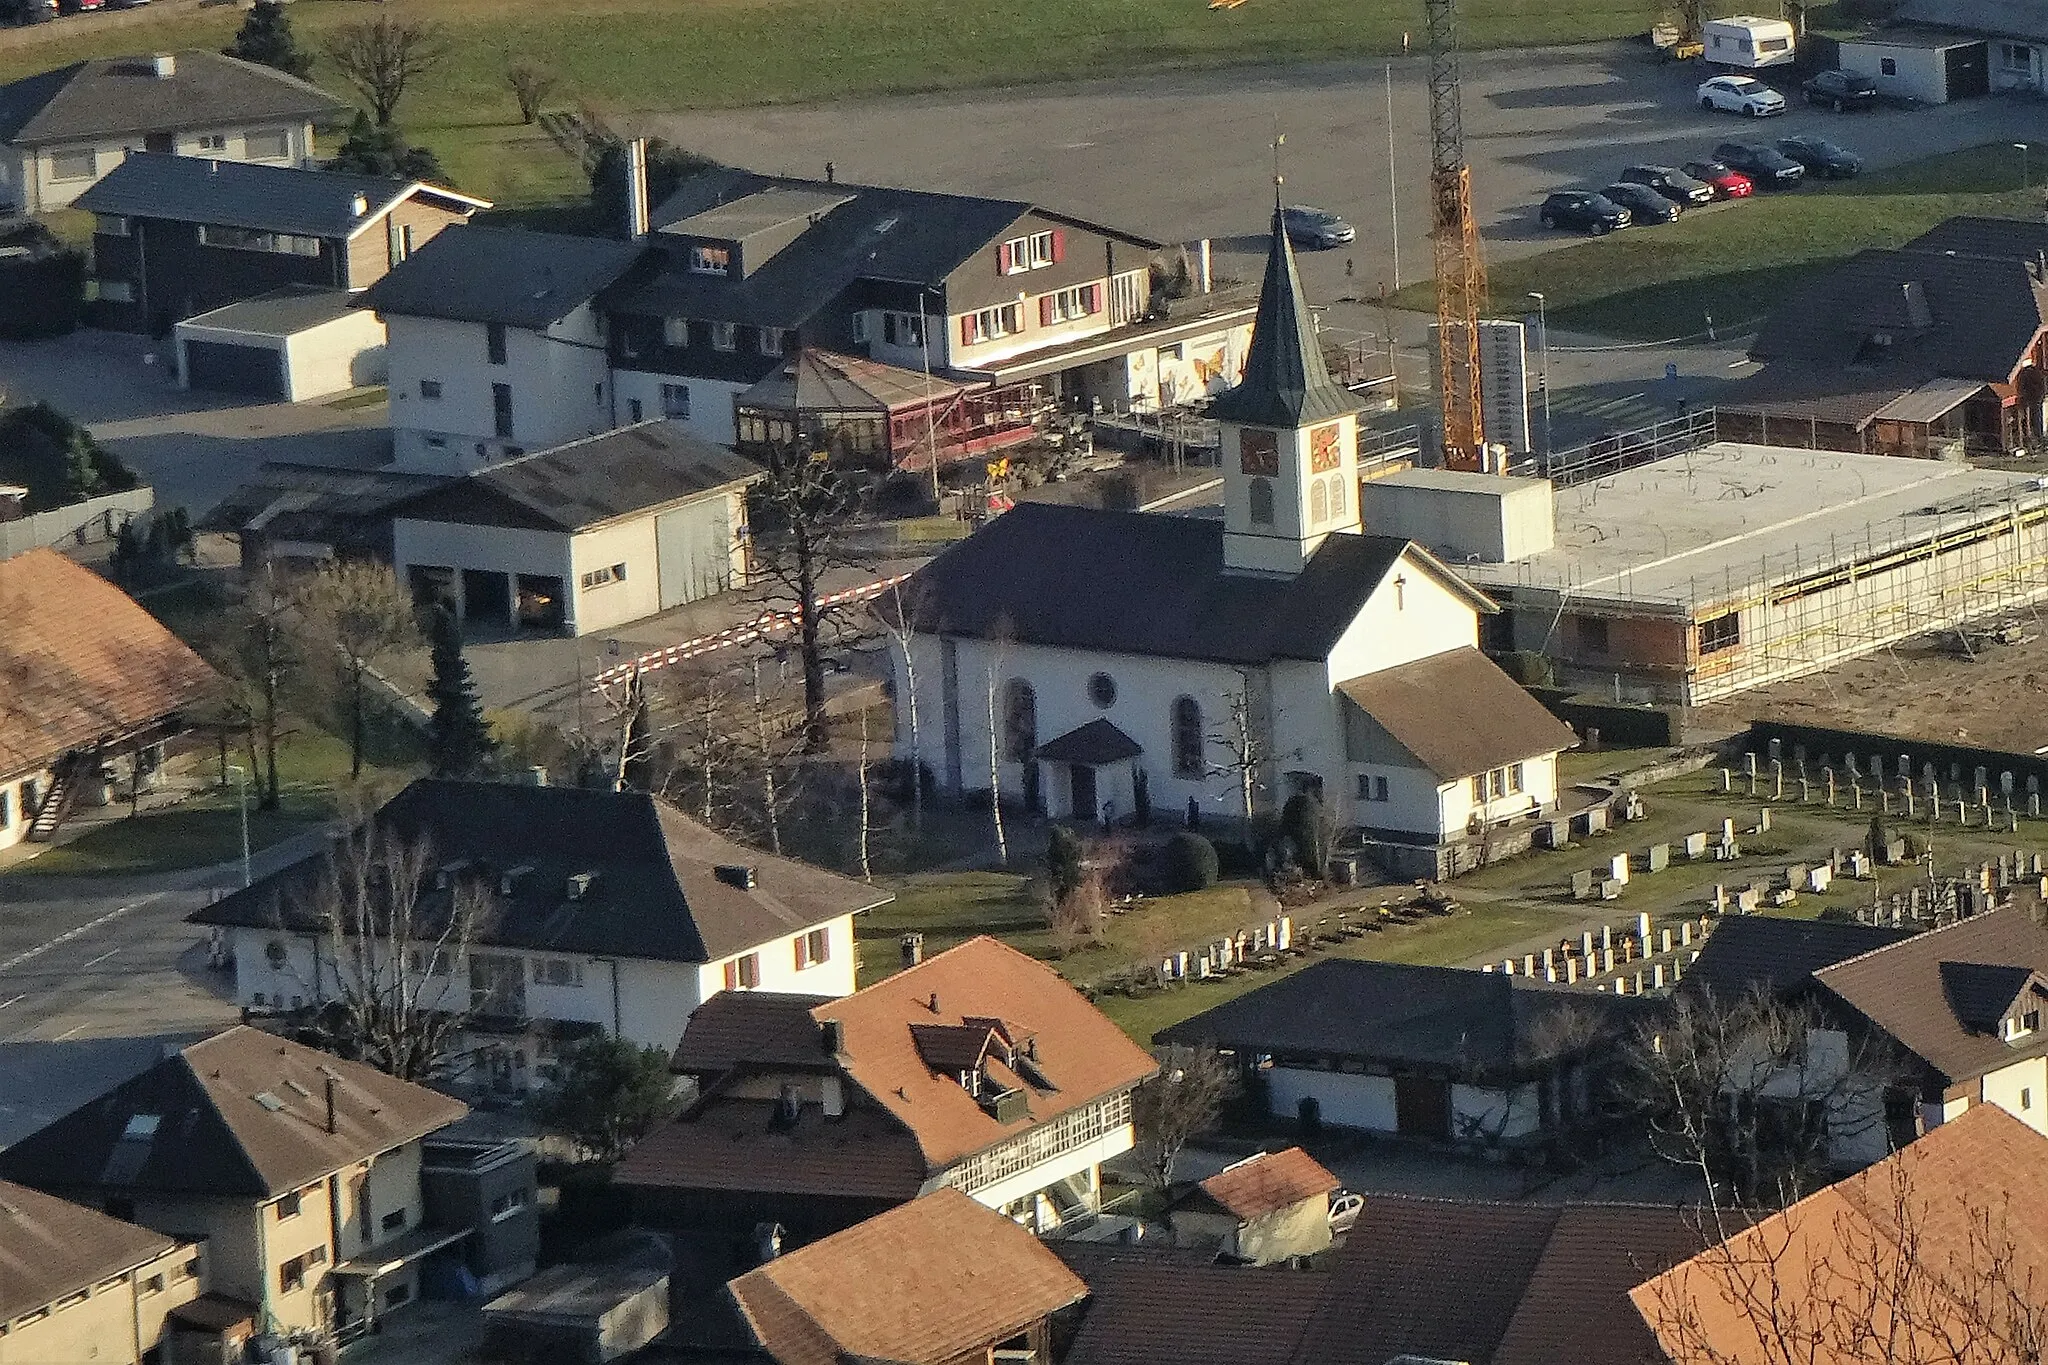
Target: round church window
1102, 690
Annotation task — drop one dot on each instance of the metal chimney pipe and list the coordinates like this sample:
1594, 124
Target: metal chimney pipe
330, 1104
636, 188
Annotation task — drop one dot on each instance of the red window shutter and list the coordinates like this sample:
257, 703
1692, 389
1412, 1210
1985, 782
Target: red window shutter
1003, 259
1059, 247
802, 958
967, 330
1091, 299
732, 976
1045, 310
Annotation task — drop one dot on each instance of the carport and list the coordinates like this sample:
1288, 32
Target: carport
1925, 65
290, 345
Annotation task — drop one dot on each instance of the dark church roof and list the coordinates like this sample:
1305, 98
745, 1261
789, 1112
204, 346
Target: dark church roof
1286, 384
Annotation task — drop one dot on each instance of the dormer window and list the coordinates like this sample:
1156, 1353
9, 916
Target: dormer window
710, 260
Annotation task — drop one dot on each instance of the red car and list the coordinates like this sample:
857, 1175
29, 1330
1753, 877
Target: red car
1728, 184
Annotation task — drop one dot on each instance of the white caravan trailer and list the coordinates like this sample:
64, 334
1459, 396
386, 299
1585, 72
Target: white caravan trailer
1747, 43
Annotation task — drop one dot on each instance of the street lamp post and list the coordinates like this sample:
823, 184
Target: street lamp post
242, 800
2026, 181
1543, 368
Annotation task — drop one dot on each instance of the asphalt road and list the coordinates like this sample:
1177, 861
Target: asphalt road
1185, 155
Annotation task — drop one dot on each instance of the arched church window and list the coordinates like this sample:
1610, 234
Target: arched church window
1020, 721
1102, 690
1187, 738
1318, 504
1338, 500
1262, 502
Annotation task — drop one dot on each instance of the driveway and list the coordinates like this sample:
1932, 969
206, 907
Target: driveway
1185, 155
193, 448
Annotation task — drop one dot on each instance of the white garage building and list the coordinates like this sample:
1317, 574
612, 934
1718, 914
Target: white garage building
292, 344
583, 537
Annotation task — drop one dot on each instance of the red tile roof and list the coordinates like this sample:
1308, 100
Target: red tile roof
927, 1282
1268, 1183
1149, 1312
81, 662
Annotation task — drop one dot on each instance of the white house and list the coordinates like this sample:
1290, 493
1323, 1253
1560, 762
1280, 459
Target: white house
1119, 662
600, 912
583, 537
980, 1070
61, 130
497, 346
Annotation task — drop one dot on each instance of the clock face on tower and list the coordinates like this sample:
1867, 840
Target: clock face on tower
1326, 448
1258, 452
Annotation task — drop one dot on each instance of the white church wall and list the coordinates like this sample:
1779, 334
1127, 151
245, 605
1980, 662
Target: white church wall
1411, 615
1414, 801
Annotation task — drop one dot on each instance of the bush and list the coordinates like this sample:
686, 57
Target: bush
1063, 858
1301, 824
56, 459
42, 296
1528, 667
1191, 863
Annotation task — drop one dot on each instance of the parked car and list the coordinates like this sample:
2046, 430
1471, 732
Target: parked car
1644, 204
78, 6
1767, 167
1315, 227
1584, 210
27, 11
1344, 1210
1725, 181
1740, 95
1821, 157
1839, 90
1675, 185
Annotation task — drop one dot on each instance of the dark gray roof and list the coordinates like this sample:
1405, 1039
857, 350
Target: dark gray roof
1973, 235
191, 189
1748, 953
522, 279
281, 312
821, 381
876, 232
1995, 18
1094, 744
656, 893
584, 483
109, 96
1286, 384
1475, 1024
1141, 583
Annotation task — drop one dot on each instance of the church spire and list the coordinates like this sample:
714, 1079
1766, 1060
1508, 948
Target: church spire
1286, 383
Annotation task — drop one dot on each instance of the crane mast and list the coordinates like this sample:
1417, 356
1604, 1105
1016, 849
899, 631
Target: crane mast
1454, 238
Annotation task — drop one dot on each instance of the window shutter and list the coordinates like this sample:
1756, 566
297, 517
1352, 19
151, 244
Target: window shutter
1059, 246
732, 976
1091, 299
1045, 310
967, 330
798, 945
1003, 259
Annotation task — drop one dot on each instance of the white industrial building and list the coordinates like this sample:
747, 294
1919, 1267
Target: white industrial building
296, 343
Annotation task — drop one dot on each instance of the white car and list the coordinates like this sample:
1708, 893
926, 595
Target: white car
1344, 1210
1741, 95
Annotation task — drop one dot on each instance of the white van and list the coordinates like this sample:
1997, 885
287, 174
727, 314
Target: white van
1746, 43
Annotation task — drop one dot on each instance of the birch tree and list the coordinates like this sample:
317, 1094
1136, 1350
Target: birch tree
992, 664
1245, 743
901, 619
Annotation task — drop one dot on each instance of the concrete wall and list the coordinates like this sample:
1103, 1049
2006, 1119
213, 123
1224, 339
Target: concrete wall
489, 549
710, 418
348, 353
1479, 1113
625, 544
1346, 1100
230, 1229
1495, 521
91, 522
559, 378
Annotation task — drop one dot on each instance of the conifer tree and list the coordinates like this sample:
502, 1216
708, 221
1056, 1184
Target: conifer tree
460, 739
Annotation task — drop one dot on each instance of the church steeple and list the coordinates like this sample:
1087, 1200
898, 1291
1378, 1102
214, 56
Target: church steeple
1290, 432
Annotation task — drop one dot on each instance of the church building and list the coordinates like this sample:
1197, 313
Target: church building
1097, 665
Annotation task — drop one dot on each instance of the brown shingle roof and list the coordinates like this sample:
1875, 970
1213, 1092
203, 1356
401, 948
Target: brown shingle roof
1268, 1183
1080, 1052
1458, 713
241, 1114
765, 1028
1914, 991
50, 1247
81, 662
1973, 1190
724, 1143
924, 1283
1153, 1312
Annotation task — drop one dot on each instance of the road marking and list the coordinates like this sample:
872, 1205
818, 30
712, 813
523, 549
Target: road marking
102, 957
67, 1033
70, 934
13, 1000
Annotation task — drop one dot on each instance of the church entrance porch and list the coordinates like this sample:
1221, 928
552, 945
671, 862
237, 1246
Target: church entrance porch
1093, 767
1081, 792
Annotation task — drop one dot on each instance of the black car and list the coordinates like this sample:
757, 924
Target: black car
1767, 167
1839, 90
1821, 157
1313, 227
1675, 185
1644, 204
1584, 210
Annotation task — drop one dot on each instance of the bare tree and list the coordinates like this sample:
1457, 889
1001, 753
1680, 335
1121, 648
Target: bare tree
867, 866
361, 613
1756, 1094
260, 650
1246, 741
801, 512
396, 935
532, 85
710, 706
992, 663
900, 617
380, 57
1181, 1102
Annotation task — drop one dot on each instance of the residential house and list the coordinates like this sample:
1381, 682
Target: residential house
1940, 1245
298, 1170
1417, 1280
1938, 50
301, 515
1441, 1053
597, 912
61, 130
95, 686
2016, 36
1923, 351
939, 1281
498, 347
77, 1286
1749, 954
1142, 661
979, 1070
584, 536
177, 236
294, 344
1272, 1206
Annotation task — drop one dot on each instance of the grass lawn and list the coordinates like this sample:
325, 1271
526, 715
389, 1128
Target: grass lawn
623, 56
1733, 263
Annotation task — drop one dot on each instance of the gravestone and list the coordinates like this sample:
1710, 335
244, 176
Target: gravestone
1696, 845
1658, 858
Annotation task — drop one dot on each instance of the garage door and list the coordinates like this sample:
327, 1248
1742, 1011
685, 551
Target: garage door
1969, 70
227, 368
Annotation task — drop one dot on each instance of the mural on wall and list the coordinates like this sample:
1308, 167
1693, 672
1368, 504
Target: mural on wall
1201, 368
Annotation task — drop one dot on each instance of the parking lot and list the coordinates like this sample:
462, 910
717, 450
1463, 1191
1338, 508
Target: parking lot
1186, 155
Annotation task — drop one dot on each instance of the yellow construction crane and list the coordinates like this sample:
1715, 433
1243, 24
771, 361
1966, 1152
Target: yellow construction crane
1454, 237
